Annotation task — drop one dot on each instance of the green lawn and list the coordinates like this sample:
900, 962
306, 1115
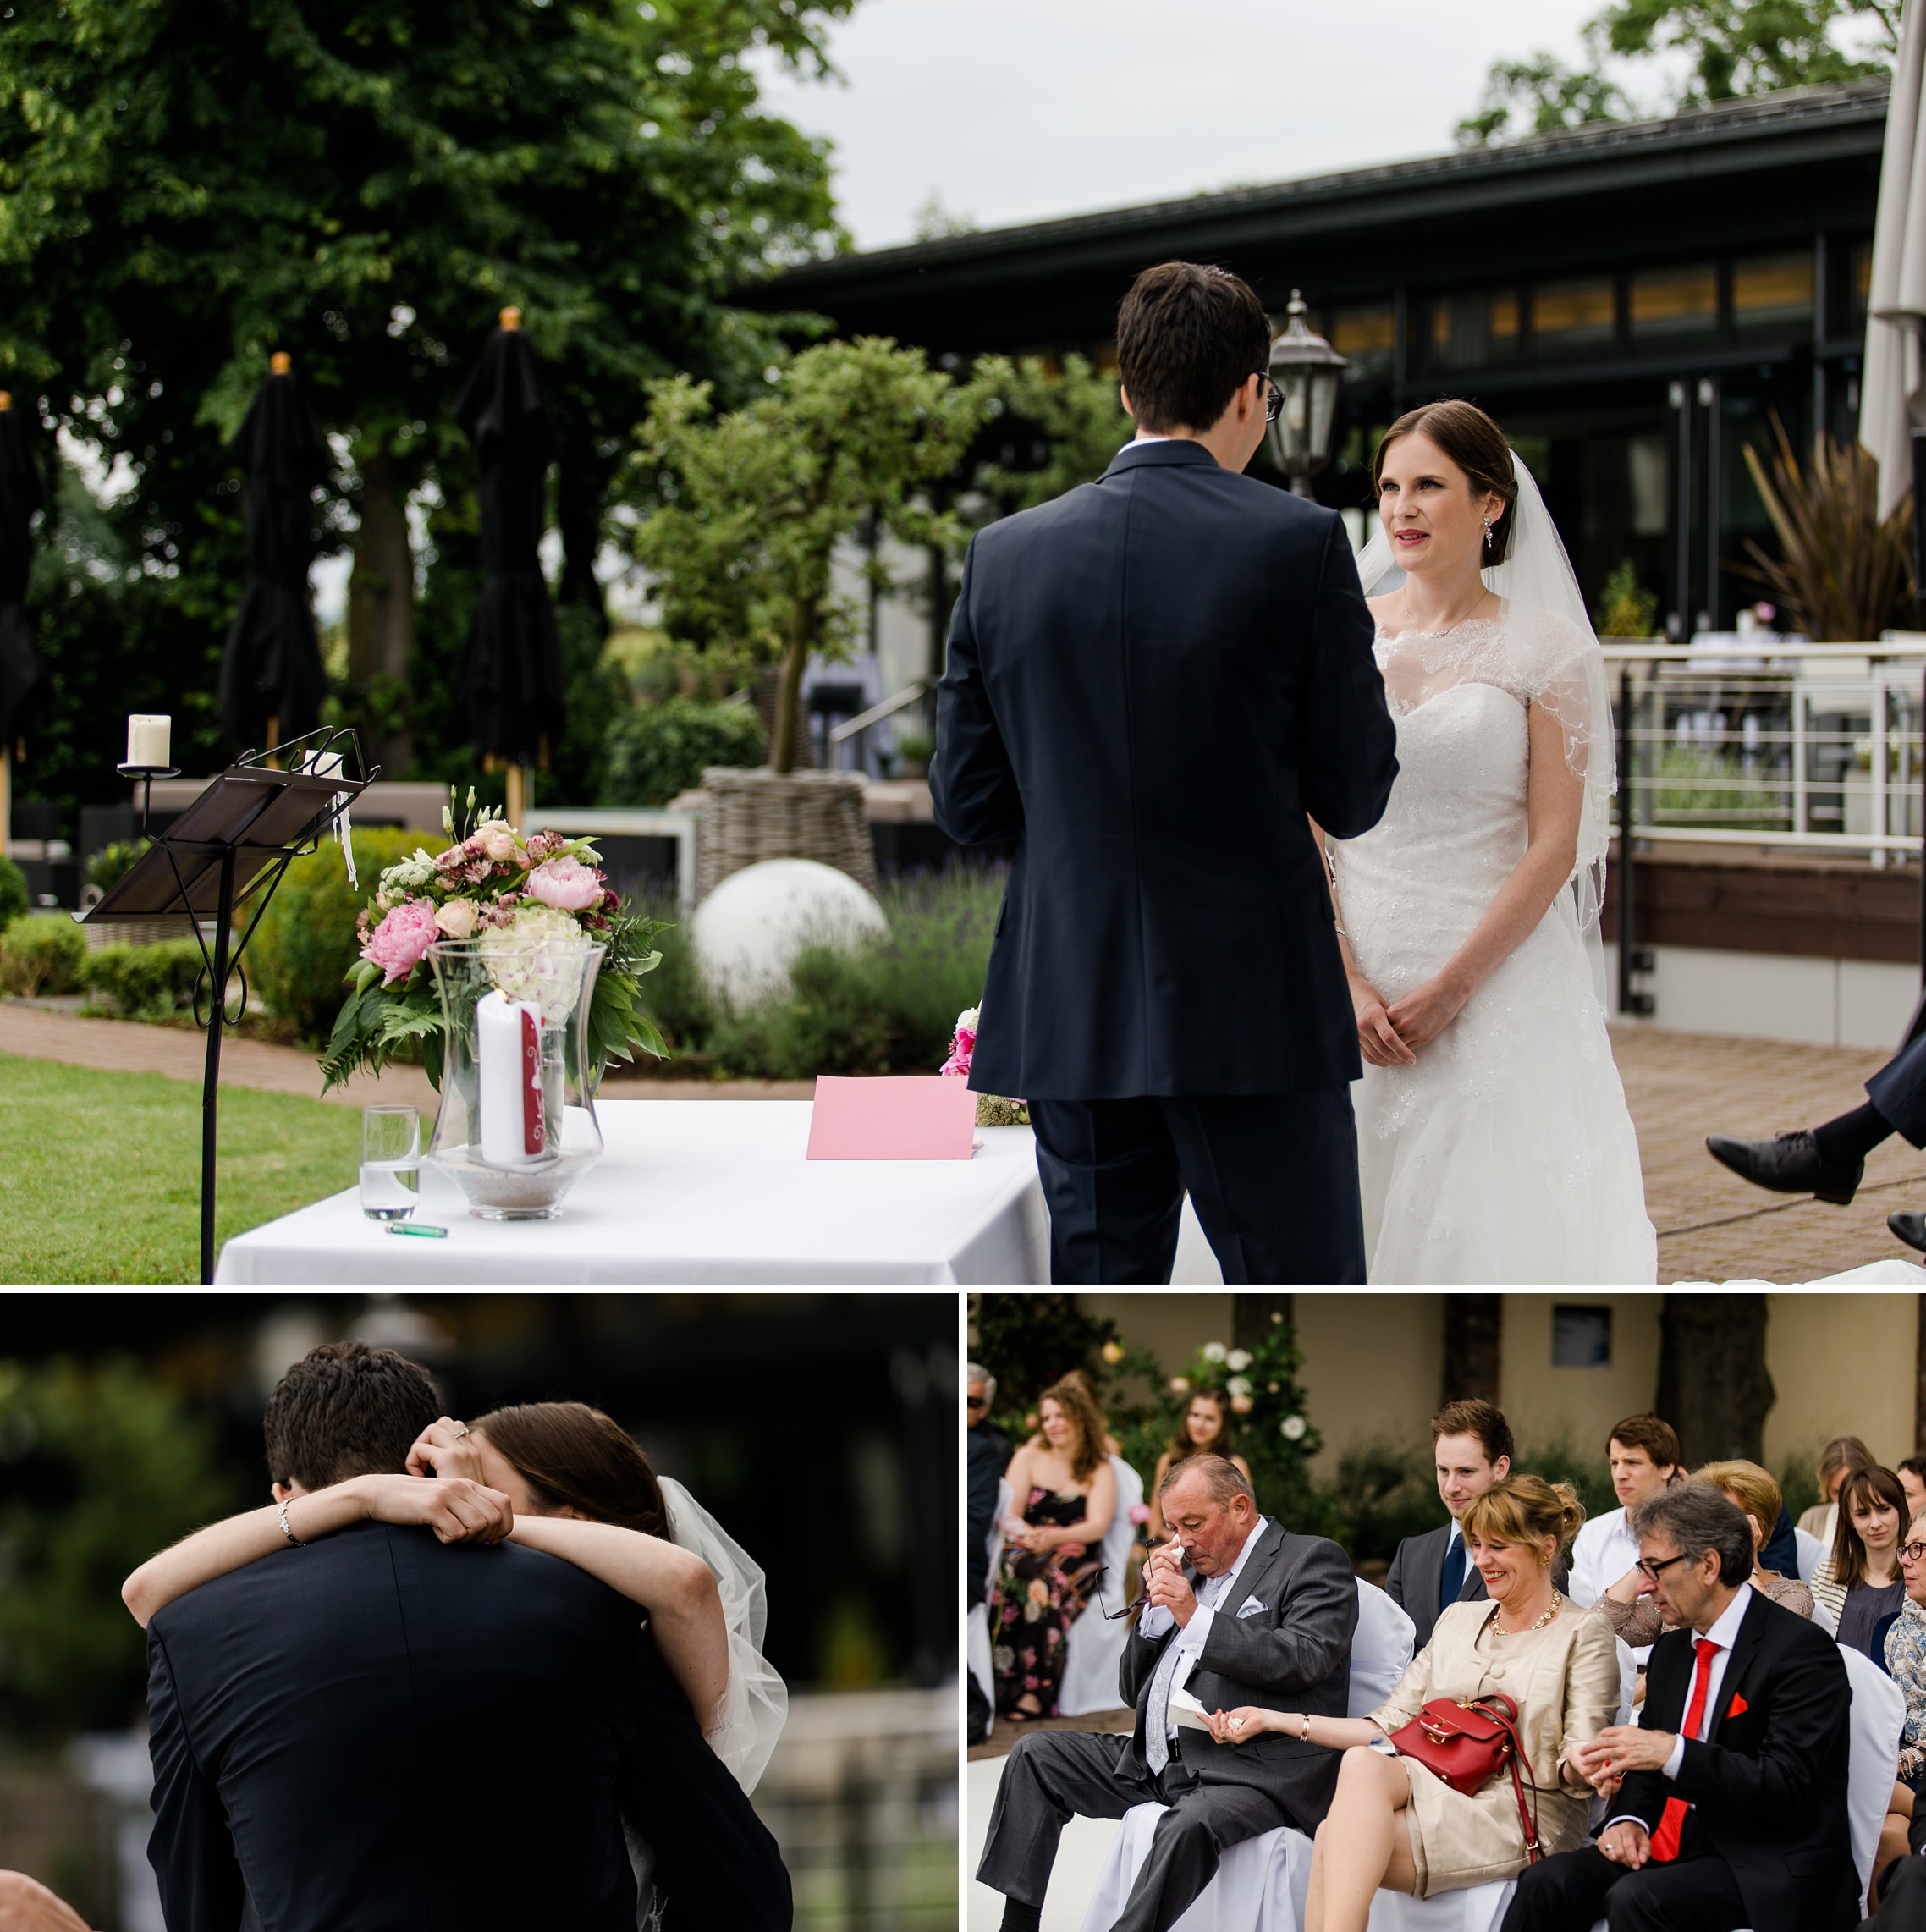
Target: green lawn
99, 1172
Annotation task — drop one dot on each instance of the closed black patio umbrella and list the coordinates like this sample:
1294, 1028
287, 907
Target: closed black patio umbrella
19, 662
272, 680
513, 673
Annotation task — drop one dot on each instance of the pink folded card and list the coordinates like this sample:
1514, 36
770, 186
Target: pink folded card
912, 1117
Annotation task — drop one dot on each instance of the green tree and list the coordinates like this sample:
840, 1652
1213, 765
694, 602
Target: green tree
743, 512
99, 1468
1054, 425
1724, 50
187, 185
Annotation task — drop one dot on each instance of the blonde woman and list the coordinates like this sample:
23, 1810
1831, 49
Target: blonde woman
1394, 1823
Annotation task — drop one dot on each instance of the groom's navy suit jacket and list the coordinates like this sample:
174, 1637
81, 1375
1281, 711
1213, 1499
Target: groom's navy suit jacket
382, 1733
1152, 681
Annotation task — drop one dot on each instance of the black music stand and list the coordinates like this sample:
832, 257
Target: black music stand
231, 844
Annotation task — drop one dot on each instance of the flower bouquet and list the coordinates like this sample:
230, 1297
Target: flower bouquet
491, 881
991, 1110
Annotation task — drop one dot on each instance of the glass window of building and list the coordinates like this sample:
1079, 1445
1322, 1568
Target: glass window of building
1675, 305
1574, 318
1470, 332
1772, 296
1367, 335
1862, 280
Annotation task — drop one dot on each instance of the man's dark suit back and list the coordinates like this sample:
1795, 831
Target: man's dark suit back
379, 1733
1770, 1785
1152, 681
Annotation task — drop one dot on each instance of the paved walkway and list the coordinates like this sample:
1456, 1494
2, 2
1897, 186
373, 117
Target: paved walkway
1712, 1225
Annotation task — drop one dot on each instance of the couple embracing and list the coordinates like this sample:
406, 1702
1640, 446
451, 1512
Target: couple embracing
493, 1676
1273, 839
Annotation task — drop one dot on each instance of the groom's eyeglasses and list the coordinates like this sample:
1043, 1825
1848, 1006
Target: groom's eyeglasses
1274, 400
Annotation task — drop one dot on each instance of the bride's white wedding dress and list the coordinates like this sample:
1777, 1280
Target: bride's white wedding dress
1506, 1154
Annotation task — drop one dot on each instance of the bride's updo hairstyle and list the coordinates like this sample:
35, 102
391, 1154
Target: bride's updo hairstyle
574, 1457
1476, 444
1525, 1509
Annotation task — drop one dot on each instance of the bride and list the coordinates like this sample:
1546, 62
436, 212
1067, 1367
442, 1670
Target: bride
1493, 1140
566, 1479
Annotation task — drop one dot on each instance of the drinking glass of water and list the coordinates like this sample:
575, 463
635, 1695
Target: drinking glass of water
391, 1162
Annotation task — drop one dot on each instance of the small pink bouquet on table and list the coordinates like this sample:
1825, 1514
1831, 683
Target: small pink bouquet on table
991, 1111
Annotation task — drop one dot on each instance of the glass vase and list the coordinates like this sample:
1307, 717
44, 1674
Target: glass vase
516, 1128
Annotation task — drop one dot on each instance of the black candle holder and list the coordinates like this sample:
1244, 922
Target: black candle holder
147, 774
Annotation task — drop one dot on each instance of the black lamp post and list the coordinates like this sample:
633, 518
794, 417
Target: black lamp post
1309, 371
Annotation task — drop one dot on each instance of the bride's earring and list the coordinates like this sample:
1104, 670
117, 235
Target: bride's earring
1488, 533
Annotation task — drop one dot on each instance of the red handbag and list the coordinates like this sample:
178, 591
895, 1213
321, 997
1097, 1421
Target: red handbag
1467, 1745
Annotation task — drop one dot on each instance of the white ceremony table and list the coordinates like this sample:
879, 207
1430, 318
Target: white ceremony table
695, 1190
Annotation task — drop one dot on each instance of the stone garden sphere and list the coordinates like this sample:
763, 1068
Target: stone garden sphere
748, 932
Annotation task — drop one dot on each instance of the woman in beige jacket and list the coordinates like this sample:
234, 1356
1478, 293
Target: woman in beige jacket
1394, 1824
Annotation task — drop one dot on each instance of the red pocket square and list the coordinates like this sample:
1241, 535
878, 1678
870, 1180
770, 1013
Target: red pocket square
1738, 1707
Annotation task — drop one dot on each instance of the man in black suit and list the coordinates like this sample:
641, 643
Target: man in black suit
1470, 1446
1247, 1614
1727, 1801
380, 1732
1154, 684
989, 1456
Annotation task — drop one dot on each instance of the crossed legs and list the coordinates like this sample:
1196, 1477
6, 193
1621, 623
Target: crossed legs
1363, 1843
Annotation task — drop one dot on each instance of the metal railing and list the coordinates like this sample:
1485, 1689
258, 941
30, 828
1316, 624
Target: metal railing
1759, 744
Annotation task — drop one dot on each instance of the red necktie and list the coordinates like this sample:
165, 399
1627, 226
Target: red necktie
1671, 1823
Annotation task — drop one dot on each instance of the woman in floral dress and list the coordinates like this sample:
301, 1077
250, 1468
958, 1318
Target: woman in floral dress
1066, 1494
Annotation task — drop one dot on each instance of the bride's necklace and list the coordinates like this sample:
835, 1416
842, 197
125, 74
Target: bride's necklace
1497, 1609
1451, 624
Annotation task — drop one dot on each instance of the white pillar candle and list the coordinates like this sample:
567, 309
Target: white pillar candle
508, 1051
147, 737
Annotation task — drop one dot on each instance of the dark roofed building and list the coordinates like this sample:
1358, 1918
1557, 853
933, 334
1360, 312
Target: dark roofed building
1630, 301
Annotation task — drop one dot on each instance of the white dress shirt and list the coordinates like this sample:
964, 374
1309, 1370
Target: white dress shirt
1211, 1593
1605, 1550
1725, 1632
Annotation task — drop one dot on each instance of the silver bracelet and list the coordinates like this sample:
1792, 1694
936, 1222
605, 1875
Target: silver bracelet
285, 1531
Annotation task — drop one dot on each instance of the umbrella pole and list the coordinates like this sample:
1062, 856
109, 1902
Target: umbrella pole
6, 799
519, 788
273, 738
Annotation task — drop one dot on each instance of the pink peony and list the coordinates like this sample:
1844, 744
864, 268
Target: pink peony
398, 944
567, 885
963, 1046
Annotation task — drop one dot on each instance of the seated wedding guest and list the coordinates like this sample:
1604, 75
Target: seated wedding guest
989, 1456
1643, 1452
1902, 1639
1470, 1446
1238, 1611
1393, 1821
1727, 1801
1837, 1461
1912, 1475
27, 1906
1065, 1494
1206, 1431
1858, 1579
1635, 1620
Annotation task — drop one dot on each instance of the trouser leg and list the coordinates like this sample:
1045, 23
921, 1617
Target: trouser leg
1690, 1895
1191, 1836
1902, 1896
1898, 1090
1053, 1776
1111, 1182
1565, 1892
1274, 1178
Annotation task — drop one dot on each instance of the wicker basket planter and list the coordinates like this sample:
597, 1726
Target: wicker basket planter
750, 816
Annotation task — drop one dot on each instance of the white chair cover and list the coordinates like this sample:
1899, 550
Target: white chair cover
1260, 1885
1879, 1716
1477, 1908
1380, 1651
977, 1631
1096, 1645
1811, 1550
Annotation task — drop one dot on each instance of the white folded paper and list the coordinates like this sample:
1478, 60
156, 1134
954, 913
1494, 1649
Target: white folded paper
1186, 1712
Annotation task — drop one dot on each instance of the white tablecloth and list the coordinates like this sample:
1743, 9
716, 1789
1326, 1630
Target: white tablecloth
710, 1191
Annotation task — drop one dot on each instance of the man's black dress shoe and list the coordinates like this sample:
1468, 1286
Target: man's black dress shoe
1788, 1164
1909, 1228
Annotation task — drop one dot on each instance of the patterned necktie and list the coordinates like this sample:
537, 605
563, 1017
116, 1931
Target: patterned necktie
1453, 1580
1157, 1706
1671, 1823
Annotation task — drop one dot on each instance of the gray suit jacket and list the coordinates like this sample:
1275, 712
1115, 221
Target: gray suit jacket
1289, 1651
1418, 1574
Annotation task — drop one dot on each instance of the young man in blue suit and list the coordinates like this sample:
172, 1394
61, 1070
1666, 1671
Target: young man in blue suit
1155, 684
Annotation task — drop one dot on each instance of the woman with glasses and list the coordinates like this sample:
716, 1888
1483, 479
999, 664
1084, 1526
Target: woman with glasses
1052, 1556
1394, 1824
1859, 1580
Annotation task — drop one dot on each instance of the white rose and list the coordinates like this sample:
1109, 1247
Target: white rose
1238, 1385
1293, 1428
456, 918
967, 1018
1238, 1360
1214, 1351
498, 843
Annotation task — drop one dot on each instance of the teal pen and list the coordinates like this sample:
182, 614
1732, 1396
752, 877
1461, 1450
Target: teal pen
427, 1229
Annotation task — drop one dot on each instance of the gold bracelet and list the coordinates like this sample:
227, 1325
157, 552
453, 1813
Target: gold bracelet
1304, 1736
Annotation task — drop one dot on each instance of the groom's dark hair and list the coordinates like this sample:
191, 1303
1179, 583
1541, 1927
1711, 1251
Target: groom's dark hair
345, 1409
1188, 338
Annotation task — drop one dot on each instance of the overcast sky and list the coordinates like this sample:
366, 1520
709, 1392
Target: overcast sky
1015, 110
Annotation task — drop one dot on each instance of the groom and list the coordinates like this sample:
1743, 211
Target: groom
384, 1732
1154, 683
